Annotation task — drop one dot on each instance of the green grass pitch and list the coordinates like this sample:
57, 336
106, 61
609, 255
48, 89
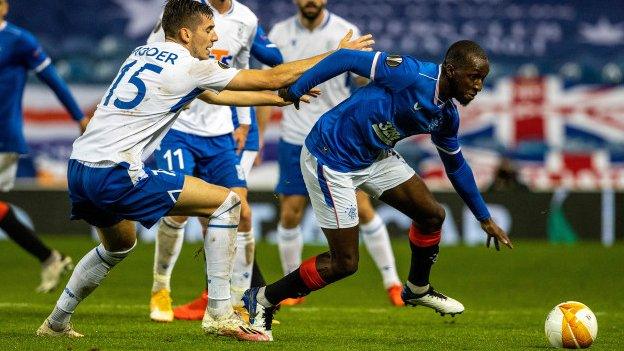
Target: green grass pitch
507, 295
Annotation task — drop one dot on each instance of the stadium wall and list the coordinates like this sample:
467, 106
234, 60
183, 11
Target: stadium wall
560, 216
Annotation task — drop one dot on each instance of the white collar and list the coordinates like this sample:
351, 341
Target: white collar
3, 25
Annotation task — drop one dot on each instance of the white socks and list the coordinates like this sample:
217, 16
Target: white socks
290, 245
377, 242
262, 300
418, 290
169, 242
88, 274
243, 265
219, 247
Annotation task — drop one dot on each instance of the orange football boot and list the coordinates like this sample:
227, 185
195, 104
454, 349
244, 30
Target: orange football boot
394, 294
194, 310
292, 301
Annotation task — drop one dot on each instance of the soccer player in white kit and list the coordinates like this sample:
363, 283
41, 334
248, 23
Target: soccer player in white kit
110, 187
200, 143
310, 32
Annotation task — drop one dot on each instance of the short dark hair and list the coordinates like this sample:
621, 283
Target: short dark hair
183, 13
460, 52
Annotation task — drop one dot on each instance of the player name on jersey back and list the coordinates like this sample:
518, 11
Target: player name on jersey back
158, 54
143, 101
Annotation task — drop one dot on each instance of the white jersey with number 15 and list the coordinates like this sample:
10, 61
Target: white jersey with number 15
143, 101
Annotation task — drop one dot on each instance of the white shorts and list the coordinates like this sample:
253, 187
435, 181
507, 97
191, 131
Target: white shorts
332, 193
247, 160
8, 170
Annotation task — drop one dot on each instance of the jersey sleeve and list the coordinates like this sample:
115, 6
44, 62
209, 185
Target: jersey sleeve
211, 74
264, 50
394, 72
361, 63
32, 53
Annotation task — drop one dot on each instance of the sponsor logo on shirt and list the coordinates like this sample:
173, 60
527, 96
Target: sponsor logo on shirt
387, 133
222, 56
394, 61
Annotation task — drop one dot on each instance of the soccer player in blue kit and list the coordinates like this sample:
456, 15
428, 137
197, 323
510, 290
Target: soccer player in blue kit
351, 146
19, 53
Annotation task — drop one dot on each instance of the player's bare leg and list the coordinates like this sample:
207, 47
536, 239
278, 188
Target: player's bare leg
169, 240
289, 236
116, 243
314, 273
414, 199
377, 242
219, 209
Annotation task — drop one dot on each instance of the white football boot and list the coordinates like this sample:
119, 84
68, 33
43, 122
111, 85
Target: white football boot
232, 326
45, 330
439, 302
52, 270
260, 317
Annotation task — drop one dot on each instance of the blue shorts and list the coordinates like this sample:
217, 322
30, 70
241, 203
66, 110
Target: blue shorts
103, 196
290, 177
253, 138
212, 159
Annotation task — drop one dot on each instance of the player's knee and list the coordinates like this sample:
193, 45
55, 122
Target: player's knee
433, 221
122, 244
290, 217
345, 265
229, 211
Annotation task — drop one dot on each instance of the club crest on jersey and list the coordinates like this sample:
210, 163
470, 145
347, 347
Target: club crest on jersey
387, 133
394, 61
222, 65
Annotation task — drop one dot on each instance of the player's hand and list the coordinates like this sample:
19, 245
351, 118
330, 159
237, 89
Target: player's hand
290, 98
363, 43
240, 137
83, 124
494, 232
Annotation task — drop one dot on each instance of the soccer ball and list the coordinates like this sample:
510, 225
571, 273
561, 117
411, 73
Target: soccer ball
571, 325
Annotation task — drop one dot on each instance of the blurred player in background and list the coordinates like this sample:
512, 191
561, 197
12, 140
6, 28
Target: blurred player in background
311, 32
219, 145
110, 187
19, 53
351, 146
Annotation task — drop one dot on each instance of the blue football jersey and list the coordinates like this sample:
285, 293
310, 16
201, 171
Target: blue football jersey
401, 101
19, 53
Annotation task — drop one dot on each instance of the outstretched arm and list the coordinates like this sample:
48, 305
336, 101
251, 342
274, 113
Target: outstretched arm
263, 50
249, 98
339, 62
284, 75
49, 76
460, 175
